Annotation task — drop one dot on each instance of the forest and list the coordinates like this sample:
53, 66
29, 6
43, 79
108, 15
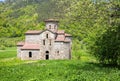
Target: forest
94, 24
95, 29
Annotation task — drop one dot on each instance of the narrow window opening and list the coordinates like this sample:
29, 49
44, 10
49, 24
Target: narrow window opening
43, 42
50, 42
54, 26
30, 54
46, 35
49, 26
57, 52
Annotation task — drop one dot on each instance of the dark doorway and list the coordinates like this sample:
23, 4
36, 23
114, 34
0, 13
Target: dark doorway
47, 55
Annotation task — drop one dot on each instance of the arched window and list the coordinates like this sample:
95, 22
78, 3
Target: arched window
47, 52
30, 54
43, 42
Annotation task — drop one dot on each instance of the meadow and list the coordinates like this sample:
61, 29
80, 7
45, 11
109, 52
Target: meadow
83, 69
95, 29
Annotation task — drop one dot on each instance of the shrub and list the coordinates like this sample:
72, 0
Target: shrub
2, 47
9, 42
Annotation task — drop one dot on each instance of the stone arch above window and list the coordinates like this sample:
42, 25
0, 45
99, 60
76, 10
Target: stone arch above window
47, 51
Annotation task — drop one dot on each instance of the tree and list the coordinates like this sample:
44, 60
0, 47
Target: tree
108, 45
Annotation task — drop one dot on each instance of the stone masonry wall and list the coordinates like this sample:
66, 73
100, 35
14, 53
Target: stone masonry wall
19, 51
53, 26
63, 49
34, 39
35, 54
57, 50
49, 44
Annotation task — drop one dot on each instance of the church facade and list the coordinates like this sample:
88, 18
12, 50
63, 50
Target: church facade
50, 43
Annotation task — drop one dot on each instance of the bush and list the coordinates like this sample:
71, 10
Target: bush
108, 47
9, 42
2, 47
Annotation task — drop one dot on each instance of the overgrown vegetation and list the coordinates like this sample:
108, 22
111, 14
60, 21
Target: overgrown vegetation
94, 24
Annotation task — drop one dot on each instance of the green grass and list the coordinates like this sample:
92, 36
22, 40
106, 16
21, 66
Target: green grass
85, 69
8, 53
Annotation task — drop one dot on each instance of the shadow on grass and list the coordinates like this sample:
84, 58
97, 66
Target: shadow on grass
104, 65
91, 66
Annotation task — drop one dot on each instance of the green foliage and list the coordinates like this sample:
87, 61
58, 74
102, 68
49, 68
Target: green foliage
107, 48
16, 18
2, 47
9, 42
94, 25
88, 21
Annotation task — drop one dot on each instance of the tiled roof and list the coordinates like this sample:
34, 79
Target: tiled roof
33, 32
31, 47
51, 20
67, 40
60, 38
60, 31
20, 43
67, 35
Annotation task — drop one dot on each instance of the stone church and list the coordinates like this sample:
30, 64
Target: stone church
50, 43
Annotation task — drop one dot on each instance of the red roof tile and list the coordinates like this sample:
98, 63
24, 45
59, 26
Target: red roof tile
60, 31
20, 43
60, 38
33, 32
31, 47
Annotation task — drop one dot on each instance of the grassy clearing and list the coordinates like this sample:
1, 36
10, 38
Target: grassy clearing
8, 53
85, 69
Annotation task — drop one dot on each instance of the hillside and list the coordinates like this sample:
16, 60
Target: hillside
95, 29
93, 24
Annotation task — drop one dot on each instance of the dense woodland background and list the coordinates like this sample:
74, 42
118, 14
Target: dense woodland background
94, 24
